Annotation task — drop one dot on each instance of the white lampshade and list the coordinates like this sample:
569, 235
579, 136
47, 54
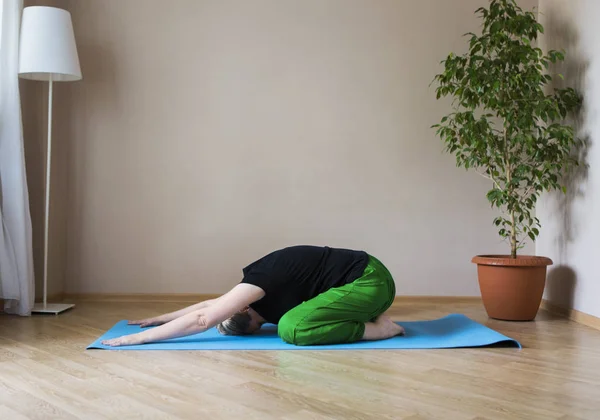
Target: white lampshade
48, 50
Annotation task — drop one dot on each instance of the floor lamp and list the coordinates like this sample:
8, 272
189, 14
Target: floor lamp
48, 53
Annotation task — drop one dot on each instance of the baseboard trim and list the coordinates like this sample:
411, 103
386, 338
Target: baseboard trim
572, 314
139, 297
437, 299
198, 297
57, 297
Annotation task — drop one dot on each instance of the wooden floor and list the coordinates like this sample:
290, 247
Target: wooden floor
45, 372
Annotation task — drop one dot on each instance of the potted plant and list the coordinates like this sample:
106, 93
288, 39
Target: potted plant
508, 125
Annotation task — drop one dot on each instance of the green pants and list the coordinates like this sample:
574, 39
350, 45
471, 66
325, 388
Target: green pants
339, 314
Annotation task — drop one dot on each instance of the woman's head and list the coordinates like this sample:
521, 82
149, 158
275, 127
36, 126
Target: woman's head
244, 322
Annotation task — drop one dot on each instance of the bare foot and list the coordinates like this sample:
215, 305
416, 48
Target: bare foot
382, 328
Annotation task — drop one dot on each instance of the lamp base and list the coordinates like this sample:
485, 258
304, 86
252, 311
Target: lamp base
51, 308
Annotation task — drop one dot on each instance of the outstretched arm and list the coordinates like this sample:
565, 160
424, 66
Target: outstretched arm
198, 320
168, 317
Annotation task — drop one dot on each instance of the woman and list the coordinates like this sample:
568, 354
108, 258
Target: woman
315, 295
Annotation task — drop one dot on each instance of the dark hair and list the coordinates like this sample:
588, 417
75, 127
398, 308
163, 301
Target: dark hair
238, 324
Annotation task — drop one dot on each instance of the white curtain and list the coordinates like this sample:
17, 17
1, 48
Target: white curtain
16, 255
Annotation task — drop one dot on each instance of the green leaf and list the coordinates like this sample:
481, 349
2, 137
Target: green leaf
540, 28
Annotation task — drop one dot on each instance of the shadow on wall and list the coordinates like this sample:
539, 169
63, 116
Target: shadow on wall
562, 281
561, 34
95, 95
33, 107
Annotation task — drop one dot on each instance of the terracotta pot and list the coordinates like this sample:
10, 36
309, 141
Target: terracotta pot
511, 288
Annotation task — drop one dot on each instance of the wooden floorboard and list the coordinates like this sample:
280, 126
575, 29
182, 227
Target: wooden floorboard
45, 372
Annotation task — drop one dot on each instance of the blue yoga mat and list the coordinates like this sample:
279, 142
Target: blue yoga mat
452, 331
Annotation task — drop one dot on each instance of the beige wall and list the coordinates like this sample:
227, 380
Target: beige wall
208, 133
571, 227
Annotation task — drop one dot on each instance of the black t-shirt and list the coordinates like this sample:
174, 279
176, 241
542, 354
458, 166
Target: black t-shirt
296, 274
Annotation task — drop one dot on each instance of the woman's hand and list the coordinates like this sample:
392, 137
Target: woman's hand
125, 340
149, 322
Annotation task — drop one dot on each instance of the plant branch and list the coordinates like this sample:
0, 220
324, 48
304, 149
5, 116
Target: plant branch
527, 191
491, 178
